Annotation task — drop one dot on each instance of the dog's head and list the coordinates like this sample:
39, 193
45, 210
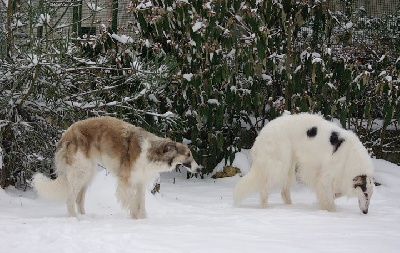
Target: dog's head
174, 154
363, 187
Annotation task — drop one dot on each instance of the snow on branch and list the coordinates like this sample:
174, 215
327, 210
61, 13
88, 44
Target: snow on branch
94, 7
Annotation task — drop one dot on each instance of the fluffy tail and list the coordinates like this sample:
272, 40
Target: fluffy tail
247, 185
50, 189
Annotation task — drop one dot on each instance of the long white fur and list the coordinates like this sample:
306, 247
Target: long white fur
50, 189
283, 150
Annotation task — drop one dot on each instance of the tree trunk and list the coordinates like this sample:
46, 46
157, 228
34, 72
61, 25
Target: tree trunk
6, 142
289, 61
10, 42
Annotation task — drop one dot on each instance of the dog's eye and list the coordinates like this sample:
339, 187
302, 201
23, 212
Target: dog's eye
188, 154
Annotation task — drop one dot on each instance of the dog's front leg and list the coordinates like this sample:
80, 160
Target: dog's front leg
138, 210
325, 195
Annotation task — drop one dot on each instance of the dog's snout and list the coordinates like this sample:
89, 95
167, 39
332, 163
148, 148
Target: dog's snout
365, 211
193, 167
187, 165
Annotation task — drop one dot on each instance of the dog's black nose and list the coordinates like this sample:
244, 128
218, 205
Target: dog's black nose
365, 211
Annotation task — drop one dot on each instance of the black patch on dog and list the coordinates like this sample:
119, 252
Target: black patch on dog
335, 140
312, 132
361, 181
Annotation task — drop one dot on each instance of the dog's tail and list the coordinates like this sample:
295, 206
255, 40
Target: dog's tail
247, 185
50, 189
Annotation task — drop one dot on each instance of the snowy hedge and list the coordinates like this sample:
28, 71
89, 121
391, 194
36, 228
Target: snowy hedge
243, 62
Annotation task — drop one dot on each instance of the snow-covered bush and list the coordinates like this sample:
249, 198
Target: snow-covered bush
47, 85
243, 62
208, 73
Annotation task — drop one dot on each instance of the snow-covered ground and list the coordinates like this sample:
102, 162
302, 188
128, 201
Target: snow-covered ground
197, 216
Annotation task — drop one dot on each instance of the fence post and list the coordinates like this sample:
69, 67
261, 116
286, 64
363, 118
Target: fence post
77, 18
114, 22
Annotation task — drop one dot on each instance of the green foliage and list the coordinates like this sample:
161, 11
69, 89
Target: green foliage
208, 73
243, 62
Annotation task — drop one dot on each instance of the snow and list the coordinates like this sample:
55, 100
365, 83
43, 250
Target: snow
187, 76
316, 60
331, 85
94, 7
153, 98
43, 19
197, 26
33, 58
266, 77
123, 38
349, 25
389, 78
18, 24
213, 101
192, 43
197, 215
143, 6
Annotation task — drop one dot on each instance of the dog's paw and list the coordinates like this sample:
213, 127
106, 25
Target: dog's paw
138, 215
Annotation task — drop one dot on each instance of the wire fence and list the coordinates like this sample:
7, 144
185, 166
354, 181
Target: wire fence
367, 20
361, 29
362, 22
375, 8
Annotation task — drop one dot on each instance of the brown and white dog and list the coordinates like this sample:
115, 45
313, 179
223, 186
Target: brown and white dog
132, 154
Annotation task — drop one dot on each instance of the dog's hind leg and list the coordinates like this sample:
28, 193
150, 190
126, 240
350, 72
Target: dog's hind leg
285, 194
76, 194
79, 175
80, 200
72, 198
285, 190
264, 194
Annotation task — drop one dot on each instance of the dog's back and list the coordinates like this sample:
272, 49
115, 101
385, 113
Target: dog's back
105, 140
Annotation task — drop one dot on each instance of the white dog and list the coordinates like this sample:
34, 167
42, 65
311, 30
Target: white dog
324, 156
133, 155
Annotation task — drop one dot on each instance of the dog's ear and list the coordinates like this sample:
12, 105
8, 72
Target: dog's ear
169, 147
360, 181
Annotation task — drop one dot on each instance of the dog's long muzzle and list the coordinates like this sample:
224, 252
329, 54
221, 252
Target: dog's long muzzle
363, 204
192, 167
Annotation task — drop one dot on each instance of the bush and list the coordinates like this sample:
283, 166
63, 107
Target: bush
242, 63
209, 74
